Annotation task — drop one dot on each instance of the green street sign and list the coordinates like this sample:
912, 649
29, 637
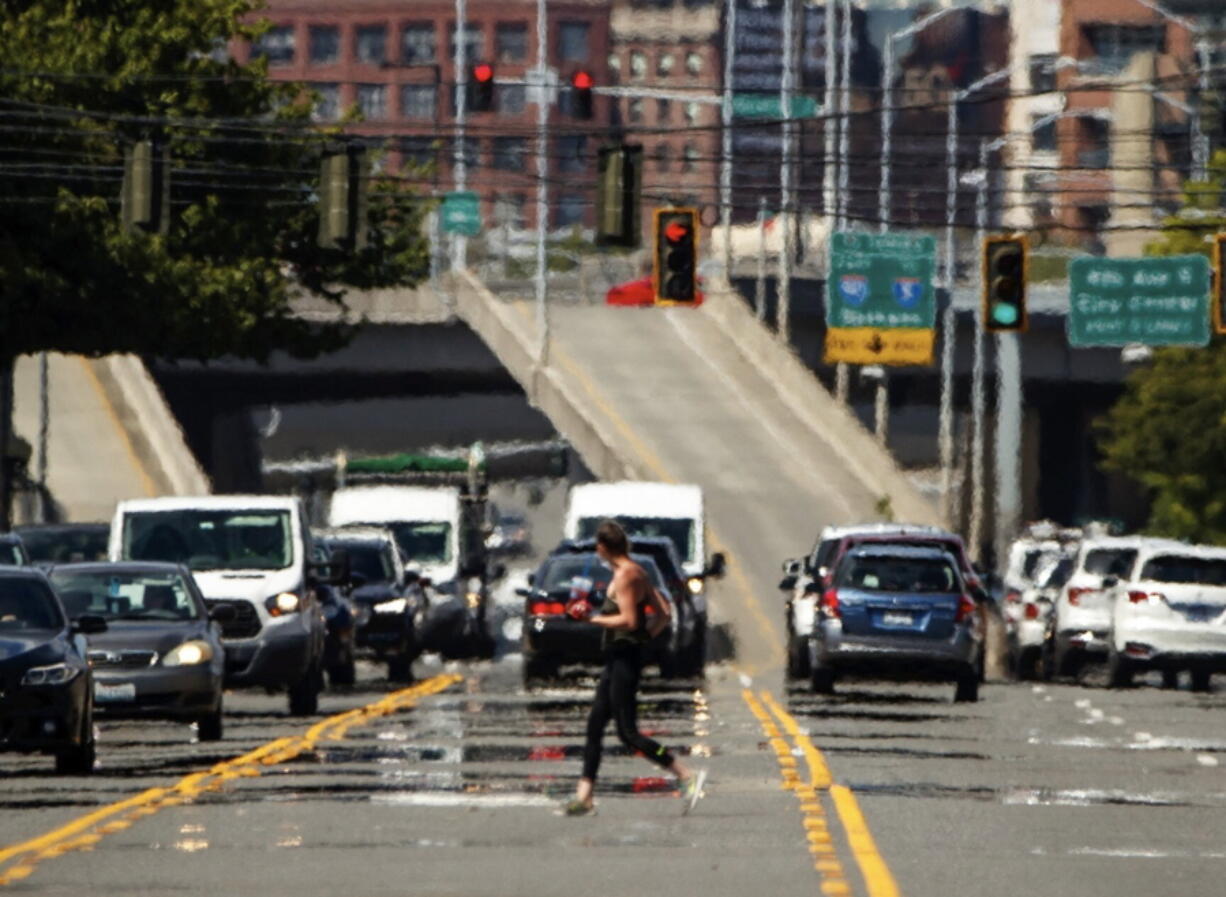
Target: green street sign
767, 105
1152, 301
462, 213
881, 280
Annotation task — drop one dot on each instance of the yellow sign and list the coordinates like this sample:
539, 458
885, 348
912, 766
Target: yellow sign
879, 345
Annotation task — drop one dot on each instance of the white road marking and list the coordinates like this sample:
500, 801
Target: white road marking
483, 801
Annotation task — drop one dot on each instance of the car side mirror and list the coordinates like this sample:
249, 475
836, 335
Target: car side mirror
788, 583
524, 592
89, 624
222, 613
718, 565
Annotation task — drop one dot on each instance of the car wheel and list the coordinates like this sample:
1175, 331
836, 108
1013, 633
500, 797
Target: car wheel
1201, 680
696, 655
538, 669
209, 728
798, 659
966, 691
1029, 664
1119, 670
400, 668
822, 680
304, 694
78, 760
1170, 678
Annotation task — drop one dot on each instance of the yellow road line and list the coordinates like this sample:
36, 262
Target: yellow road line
657, 468
146, 481
88, 830
878, 879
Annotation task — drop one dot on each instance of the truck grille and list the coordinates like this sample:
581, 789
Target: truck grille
121, 660
246, 622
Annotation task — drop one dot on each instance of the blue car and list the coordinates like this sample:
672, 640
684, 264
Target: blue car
898, 612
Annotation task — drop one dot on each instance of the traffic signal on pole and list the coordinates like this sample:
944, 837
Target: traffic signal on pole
1004, 284
619, 184
1219, 289
343, 174
581, 99
145, 198
481, 87
676, 255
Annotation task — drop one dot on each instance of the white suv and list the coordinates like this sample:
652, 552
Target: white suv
1170, 615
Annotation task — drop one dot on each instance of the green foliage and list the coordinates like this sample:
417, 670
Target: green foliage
83, 78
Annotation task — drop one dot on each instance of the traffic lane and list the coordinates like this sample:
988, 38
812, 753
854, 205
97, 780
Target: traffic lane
459, 796
1046, 788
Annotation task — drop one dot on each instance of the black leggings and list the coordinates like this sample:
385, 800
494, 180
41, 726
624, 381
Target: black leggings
616, 698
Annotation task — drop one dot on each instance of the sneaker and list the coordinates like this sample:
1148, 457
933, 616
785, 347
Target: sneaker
691, 790
579, 808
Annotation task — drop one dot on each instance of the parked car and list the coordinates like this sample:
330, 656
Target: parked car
161, 656
12, 551
900, 612
1027, 613
1081, 616
389, 601
1169, 614
254, 553
65, 543
565, 590
46, 686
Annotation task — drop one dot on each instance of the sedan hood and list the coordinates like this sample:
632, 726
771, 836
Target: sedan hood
34, 647
160, 636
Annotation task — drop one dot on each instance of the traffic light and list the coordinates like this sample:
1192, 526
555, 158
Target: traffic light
481, 88
619, 183
581, 95
1004, 284
676, 255
343, 174
1219, 288
145, 197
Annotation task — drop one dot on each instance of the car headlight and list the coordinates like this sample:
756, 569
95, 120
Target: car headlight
188, 654
695, 585
285, 603
55, 674
473, 599
395, 606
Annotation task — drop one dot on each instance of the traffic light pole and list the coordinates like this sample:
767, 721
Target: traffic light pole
725, 169
975, 530
1008, 442
783, 293
459, 242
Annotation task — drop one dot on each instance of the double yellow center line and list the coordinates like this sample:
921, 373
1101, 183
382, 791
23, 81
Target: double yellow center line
809, 789
18, 861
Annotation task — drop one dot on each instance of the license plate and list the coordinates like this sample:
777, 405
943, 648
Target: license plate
896, 618
121, 691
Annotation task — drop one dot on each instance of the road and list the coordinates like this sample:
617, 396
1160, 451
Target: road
450, 788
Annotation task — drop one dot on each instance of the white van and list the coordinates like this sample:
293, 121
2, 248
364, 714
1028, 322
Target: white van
253, 553
424, 519
643, 509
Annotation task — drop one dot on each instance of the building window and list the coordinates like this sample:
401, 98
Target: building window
634, 111
1095, 144
692, 113
510, 99
638, 64
1042, 72
570, 150
689, 159
615, 63
471, 149
665, 64
569, 211
276, 45
474, 43
511, 42
1115, 45
325, 44
327, 102
1043, 137
419, 151
664, 157
573, 41
370, 44
418, 101
510, 153
693, 63
372, 101
664, 110
417, 45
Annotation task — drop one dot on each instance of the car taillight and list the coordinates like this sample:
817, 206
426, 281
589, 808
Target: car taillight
547, 608
966, 608
1013, 596
1146, 597
830, 604
1075, 593
1032, 612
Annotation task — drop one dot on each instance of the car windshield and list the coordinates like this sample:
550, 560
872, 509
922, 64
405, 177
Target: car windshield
679, 530
1058, 574
1183, 569
562, 571
66, 546
423, 542
1030, 563
1110, 561
27, 604
370, 560
125, 596
210, 539
880, 573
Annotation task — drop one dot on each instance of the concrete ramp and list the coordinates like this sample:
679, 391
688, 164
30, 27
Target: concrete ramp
111, 434
705, 396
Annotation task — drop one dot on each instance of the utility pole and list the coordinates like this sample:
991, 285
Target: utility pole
759, 295
845, 116
542, 186
725, 171
975, 533
783, 295
459, 242
44, 432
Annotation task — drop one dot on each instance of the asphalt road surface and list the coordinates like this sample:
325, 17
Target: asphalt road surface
451, 788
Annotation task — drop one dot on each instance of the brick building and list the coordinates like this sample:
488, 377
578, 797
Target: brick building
394, 61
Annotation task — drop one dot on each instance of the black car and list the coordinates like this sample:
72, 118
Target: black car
162, 656
12, 551
46, 686
340, 619
388, 601
555, 633
65, 543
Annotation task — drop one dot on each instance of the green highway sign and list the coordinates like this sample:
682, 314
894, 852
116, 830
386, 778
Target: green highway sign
767, 105
1152, 301
881, 280
462, 213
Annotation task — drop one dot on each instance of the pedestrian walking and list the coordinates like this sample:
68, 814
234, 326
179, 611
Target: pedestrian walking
628, 628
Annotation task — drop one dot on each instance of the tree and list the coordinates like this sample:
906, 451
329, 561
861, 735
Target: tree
1168, 431
82, 80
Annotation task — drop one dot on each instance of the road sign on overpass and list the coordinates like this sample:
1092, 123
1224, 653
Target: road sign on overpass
1152, 301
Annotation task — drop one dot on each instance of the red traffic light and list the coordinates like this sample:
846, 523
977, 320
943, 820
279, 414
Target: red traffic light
675, 231
483, 72
582, 80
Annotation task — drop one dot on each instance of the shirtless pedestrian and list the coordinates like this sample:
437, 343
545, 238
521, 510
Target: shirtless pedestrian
628, 629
